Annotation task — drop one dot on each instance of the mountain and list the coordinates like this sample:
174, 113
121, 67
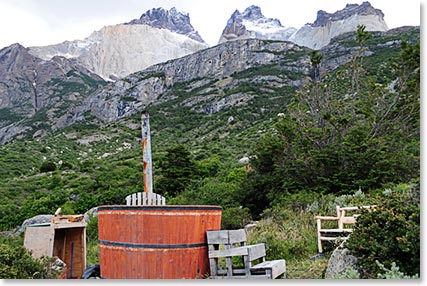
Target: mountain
235, 75
116, 51
172, 20
252, 24
36, 95
259, 76
207, 81
328, 26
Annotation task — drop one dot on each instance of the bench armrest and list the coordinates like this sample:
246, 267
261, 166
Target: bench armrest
326, 217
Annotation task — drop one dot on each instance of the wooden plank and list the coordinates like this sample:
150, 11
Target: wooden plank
326, 217
128, 200
256, 251
213, 266
235, 251
348, 220
237, 277
229, 262
217, 236
336, 230
237, 236
276, 267
329, 238
357, 208
139, 199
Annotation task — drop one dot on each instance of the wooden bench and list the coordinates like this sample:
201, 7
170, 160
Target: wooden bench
145, 199
226, 244
340, 232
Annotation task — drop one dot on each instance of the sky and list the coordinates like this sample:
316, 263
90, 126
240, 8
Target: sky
44, 22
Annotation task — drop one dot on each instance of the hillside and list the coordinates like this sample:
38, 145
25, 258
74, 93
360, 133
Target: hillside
218, 111
268, 130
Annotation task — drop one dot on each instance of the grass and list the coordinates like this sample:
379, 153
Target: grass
306, 268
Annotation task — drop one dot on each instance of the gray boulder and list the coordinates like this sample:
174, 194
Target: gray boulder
340, 261
93, 212
38, 219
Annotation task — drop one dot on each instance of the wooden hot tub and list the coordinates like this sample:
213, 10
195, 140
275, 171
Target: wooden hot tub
155, 242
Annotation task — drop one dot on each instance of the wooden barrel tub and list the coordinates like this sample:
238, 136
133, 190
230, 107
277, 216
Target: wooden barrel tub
155, 242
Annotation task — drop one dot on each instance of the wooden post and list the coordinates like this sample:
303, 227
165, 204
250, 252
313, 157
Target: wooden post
146, 152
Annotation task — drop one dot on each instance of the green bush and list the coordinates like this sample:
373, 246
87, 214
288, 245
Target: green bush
47, 167
389, 234
235, 218
17, 263
393, 272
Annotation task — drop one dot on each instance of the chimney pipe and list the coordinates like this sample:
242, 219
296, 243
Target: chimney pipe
146, 152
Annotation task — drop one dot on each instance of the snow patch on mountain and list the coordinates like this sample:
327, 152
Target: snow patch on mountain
252, 24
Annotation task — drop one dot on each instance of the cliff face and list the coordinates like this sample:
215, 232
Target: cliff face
216, 65
35, 93
328, 26
116, 51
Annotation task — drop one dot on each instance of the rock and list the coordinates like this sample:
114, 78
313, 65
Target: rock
340, 261
173, 20
74, 197
30, 86
231, 120
116, 51
252, 24
250, 226
244, 160
43, 218
317, 256
327, 26
93, 212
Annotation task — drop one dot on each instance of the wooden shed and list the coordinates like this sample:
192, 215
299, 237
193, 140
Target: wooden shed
63, 237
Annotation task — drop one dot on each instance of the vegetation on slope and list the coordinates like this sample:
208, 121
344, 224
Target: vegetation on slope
344, 130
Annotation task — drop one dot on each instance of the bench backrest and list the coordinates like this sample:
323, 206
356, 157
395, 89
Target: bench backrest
230, 243
226, 236
145, 199
343, 218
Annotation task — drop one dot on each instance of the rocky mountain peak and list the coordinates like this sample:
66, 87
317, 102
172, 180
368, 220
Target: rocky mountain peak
172, 19
252, 13
330, 25
235, 17
253, 24
16, 57
350, 10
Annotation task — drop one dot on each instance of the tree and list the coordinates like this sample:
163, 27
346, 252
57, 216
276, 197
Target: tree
331, 141
177, 170
357, 59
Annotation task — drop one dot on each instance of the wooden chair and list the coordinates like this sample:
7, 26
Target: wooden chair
145, 199
340, 232
226, 244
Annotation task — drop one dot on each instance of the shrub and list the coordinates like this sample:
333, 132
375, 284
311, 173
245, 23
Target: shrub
393, 272
16, 262
389, 234
235, 218
47, 167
